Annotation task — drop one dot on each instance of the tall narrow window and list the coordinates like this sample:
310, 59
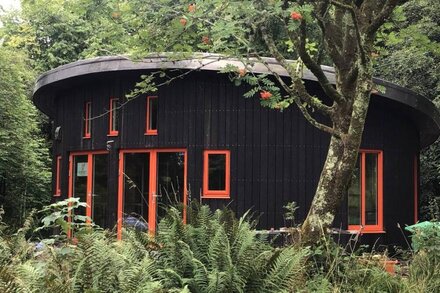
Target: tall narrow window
216, 174
365, 193
87, 119
113, 117
58, 177
416, 188
151, 119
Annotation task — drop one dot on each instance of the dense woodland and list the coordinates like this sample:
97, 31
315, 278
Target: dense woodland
205, 255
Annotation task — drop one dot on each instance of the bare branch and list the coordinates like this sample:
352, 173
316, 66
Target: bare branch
380, 18
315, 68
353, 13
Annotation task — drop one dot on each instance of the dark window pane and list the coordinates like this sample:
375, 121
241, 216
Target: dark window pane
114, 106
87, 118
170, 179
80, 172
354, 196
100, 192
370, 189
217, 171
153, 113
136, 189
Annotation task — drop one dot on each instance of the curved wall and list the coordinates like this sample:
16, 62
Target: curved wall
275, 157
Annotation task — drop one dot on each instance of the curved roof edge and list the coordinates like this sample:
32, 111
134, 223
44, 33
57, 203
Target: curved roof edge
426, 115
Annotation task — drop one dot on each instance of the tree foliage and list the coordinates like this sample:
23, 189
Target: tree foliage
24, 176
410, 56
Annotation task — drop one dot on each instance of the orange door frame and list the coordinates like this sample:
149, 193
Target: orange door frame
152, 185
89, 187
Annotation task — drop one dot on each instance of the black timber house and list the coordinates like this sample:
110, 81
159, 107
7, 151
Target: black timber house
199, 139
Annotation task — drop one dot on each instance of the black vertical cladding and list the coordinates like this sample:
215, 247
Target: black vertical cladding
275, 157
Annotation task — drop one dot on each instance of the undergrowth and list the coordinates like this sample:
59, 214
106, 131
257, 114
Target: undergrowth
214, 252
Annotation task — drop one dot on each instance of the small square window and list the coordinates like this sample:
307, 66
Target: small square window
87, 119
216, 174
113, 117
151, 119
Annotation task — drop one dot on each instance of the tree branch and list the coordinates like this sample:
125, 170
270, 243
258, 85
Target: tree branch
300, 88
386, 11
296, 80
315, 68
353, 14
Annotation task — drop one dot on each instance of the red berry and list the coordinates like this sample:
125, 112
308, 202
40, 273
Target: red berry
295, 15
242, 72
265, 95
183, 21
205, 40
191, 7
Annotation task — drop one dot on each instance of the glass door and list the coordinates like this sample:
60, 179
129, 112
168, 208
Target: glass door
88, 182
170, 181
149, 182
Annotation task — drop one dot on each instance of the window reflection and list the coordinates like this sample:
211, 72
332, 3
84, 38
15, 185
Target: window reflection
136, 189
170, 176
217, 171
354, 196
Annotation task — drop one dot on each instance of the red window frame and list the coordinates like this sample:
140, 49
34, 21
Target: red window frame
378, 228
58, 177
112, 115
207, 193
148, 129
87, 119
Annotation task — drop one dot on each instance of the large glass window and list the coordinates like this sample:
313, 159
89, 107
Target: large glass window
100, 192
216, 174
151, 119
365, 193
170, 180
136, 189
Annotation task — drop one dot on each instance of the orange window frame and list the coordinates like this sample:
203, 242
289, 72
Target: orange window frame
58, 177
416, 188
112, 115
148, 129
87, 119
207, 193
378, 228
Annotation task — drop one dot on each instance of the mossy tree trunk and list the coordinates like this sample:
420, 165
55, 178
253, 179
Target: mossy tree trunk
348, 31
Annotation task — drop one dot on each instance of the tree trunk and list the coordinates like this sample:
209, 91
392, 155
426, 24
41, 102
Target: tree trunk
340, 162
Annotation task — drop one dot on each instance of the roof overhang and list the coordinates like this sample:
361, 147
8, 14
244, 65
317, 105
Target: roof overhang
423, 111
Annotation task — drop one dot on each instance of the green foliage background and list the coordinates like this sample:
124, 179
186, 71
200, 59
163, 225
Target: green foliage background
24, 161
410, 56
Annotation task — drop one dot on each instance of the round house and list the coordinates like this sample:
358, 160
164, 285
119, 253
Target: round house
197, 139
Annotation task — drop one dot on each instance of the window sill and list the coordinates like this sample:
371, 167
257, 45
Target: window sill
366, 231
57, 195
151, 133
215, 196
113, 134
87, 137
